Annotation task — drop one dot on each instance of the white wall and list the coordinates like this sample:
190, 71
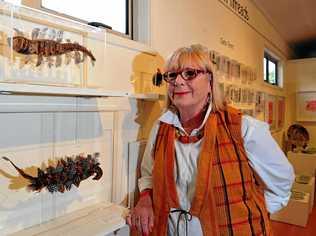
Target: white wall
182, 22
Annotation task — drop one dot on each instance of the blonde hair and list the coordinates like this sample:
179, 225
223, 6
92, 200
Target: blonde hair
200, 56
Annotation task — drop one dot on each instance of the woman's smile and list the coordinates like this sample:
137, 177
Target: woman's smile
180, 93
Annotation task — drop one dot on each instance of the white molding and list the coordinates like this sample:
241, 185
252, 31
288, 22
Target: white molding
306, 91
142, 45
141, 21
30, 89
44, 90
115, 40
32, 104
303, 60
116, 173
147, 96
99, 219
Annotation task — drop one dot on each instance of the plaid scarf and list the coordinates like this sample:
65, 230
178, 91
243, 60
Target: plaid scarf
227, 200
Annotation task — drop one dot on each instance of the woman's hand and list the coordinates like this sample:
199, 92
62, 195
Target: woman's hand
142, 216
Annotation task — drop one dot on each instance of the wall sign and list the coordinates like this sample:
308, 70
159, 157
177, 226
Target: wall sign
236, 7
226, 43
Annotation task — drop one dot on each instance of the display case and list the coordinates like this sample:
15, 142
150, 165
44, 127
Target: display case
46, 63
40, 48
38, 135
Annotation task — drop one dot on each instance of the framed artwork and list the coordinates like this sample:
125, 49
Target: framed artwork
248, 112
237, 94
306, 106
235, 70
259, 105
280, 112
252, 75
244, 74
250, 97
244, 95
215, 57
224, 67
221, 87
270, 111
229, 93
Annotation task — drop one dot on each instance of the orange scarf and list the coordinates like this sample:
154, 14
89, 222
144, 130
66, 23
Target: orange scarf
204, 204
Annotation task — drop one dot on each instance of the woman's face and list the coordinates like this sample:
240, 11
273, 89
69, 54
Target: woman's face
190, 94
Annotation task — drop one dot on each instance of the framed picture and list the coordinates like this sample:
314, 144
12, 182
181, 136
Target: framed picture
229, 93
259, 105
244, 95
270, 111
237, 95
235, 70
248, 112
280, 112
221, 87
306, 106
244, 74
250, 97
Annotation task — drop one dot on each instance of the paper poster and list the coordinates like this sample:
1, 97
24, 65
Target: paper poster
281, 112
270, 114
310, 106
306, 106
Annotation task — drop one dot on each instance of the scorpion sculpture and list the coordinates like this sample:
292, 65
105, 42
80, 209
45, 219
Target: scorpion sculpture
67, 172
47, 48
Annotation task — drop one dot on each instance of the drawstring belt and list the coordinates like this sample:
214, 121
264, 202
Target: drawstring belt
187, 217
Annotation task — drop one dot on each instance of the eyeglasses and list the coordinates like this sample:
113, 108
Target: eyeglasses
186, 74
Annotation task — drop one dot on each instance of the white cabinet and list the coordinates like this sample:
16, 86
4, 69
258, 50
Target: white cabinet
35, 132
303, 163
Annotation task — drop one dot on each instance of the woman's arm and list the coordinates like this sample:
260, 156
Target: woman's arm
142, 216
269, 162
145, 181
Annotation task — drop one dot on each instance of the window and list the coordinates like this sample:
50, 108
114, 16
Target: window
270, 69
115, 14
111, 13
16, 2
127, 17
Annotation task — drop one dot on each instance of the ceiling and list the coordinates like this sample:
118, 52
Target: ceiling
295, 20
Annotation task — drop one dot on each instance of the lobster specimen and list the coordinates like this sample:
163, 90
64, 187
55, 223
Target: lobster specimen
67, 172
47, 48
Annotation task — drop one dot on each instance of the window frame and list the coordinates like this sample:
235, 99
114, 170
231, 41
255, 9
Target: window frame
37, 4
270, 58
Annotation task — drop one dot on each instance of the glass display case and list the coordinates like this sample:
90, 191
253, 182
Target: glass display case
40, 48
54, 58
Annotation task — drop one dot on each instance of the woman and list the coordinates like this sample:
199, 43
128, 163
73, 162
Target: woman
207, 170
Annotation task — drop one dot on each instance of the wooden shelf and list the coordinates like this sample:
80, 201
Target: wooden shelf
99, 219
30, 89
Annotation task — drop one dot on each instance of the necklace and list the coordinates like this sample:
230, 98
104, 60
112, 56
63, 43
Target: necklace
183, 138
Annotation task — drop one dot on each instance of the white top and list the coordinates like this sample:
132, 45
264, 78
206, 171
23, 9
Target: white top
265, 157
